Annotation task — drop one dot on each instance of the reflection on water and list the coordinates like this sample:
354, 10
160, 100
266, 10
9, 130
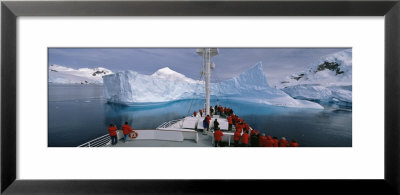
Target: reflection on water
79, 113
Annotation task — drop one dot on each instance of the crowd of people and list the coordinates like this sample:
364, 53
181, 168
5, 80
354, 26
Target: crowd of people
218, 110
243, 136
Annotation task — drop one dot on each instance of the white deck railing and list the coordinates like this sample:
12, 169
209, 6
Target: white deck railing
168, 124
102, 141
105, 140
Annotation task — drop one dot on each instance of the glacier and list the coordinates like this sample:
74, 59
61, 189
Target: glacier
165, 85
321, 93
327, 81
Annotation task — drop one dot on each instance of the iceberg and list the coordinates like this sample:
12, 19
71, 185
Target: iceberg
130, 88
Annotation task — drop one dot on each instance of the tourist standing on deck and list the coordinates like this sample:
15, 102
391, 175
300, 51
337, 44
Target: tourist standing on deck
211, 111
229, 123
126, 129
236, 138
112, 129
269, 142
218, 137
208, 120
262, 140
245, 139
253, 138
205, 124
216, 124
283, 142
194, 113
276, 141
293, 143
239, 127
201, 113
246, 127
252, 132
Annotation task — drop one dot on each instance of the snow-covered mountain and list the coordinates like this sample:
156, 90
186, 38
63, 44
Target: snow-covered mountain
129, 87
64, 75
326, 81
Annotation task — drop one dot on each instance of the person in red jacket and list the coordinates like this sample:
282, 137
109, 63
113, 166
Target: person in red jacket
276, 141
218, 137
245, 139
201, 113
253, 138
229, 123
236, 138
283, 142
127, 130
262, 140
194, 113
269, 142
208, 120
233, 119
252, 132
239, 127
293, 143
112, 130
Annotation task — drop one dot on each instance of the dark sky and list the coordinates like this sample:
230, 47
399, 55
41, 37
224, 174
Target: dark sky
277, 62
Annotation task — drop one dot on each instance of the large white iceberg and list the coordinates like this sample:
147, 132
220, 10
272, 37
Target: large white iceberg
129, 87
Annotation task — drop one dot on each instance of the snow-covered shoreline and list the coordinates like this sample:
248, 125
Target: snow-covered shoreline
63, 75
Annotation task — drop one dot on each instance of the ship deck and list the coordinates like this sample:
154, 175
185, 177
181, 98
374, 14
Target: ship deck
175, 130
203, 141
186, 132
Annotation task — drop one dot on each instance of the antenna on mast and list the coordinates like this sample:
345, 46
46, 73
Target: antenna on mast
207, 54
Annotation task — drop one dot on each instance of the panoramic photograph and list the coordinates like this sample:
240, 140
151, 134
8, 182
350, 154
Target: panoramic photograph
200, 97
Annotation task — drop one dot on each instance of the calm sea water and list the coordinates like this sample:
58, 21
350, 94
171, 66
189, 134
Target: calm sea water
79, 113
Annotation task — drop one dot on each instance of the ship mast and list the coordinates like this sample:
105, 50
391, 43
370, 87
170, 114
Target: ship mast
207, 54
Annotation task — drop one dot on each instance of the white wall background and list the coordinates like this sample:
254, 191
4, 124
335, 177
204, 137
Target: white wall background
365, 160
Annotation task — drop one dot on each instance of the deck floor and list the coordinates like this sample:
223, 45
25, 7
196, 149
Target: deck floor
204, 141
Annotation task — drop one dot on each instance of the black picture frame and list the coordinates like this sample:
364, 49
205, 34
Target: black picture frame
11, 10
